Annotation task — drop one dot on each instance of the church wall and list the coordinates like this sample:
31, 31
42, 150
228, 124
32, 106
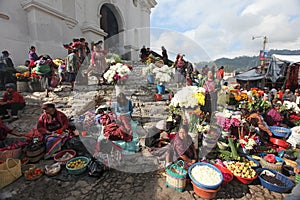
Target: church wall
48, 24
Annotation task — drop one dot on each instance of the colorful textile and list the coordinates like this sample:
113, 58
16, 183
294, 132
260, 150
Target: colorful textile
54, 143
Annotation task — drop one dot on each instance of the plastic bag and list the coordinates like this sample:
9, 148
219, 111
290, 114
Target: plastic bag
54, 81
96, 168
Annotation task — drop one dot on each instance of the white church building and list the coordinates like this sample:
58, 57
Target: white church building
123, 25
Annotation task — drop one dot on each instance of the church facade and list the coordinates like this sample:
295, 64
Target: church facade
123, 25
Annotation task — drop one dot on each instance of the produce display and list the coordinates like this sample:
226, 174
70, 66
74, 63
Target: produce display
77, 164
273, 180
250, 163
33, 173
242, 169
205, 175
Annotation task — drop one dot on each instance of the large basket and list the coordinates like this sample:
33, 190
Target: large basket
280, 189
176, 176
78, 170
280, 131
15, 153
10, 170
277, 166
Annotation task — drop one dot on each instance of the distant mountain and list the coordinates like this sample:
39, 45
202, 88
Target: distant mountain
242, 63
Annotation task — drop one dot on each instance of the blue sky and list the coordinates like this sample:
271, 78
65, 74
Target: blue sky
209, 29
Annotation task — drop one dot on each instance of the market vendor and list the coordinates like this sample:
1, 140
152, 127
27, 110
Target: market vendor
13, 100
53, 128
273, 116
182, 148
256, 120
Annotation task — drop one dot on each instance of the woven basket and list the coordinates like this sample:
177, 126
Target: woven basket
176, 176
277, 167
290, 162
10, 170
15, 153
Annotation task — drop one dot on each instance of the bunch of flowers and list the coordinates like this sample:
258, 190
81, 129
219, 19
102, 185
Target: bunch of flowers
227, 120
289, 107
34, 77
163, 74
58, 62
117, 72
248, 142
148, 70
195, 118
23, 77
256, 100
189, 97
112, 58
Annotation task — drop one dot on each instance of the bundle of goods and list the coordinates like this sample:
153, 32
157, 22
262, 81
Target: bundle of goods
274, 181
206, 179
242, 171
176, 176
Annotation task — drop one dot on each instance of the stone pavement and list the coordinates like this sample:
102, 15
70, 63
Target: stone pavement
139, 178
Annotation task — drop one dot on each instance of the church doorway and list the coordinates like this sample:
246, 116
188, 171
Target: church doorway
110, 23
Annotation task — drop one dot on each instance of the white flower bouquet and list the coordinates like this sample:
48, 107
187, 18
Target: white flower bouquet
117, 72
189, 97
111, 58
148, 70
163, 74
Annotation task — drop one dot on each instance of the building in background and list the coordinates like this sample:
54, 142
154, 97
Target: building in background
48, 24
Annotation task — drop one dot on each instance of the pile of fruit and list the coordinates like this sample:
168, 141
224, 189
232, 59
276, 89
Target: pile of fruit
242, 169
78, 164
33, 173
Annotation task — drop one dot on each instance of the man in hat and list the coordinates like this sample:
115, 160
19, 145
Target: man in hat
153, 134
11, 100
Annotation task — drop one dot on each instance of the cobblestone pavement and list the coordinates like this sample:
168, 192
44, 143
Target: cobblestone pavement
114, 184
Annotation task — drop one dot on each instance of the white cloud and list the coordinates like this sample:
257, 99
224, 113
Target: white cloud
224, 28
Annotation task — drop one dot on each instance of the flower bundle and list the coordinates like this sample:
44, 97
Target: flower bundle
34, 77
248, 142
226, 120
23, 77
163, 74
58, 62
289, 106
148, 70
189, 97
117, 72
113, 58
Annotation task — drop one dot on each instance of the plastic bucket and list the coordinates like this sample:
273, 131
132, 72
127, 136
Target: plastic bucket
160, 89
22, 86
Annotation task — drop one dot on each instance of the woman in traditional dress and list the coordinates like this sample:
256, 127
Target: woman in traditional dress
98, 64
